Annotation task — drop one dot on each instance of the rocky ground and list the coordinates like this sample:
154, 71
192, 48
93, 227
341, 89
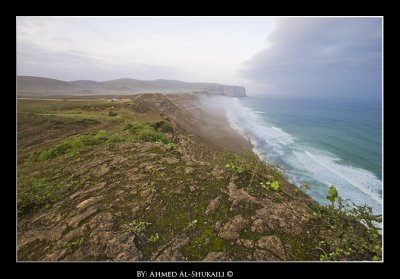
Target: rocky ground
130, 200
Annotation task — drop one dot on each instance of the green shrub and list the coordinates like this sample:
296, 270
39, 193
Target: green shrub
275, 185
332, 195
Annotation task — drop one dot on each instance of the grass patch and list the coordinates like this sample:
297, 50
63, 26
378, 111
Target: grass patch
36, 192
70, 146
79, 115
144, 132
152, 136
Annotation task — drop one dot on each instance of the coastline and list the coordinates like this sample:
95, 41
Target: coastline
209, 119
188, 190
300, 155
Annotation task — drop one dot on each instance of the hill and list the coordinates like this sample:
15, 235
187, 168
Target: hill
29, 85
40, 84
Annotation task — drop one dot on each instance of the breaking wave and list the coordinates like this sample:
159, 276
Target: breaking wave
318, 168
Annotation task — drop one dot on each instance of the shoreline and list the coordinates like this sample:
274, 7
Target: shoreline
207, 110
183, 189
304, 175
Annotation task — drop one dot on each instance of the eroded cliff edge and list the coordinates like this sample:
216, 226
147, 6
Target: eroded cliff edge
145, 178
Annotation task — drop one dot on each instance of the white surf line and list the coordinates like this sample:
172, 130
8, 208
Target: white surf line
368, 193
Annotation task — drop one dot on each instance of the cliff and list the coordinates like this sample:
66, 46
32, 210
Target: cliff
226, 90
159, 177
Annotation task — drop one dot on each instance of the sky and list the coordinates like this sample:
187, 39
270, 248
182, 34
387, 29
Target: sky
267, 55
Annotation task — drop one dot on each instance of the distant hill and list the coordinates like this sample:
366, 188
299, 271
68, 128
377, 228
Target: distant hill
30, 85
39, 84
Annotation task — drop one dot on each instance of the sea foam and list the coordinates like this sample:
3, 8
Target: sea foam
319, 168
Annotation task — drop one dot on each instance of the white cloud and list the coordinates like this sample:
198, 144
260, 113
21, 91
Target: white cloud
197, 48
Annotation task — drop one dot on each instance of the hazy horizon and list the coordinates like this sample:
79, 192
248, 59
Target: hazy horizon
285, 56
117, 79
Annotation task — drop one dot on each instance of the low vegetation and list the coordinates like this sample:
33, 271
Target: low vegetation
37, 187
96, 186
136, 226
350, 231
71, 146
146, 132
344, 231
36, 191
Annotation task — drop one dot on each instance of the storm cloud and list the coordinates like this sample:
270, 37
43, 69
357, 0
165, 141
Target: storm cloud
320, 56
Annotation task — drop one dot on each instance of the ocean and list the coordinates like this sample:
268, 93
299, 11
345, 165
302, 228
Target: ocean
319, 141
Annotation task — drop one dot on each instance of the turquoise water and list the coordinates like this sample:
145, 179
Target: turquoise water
318, 141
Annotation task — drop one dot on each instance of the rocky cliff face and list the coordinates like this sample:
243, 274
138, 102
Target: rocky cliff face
234, 91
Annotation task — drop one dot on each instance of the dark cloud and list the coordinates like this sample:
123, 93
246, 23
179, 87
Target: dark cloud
74, 65
320, 56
